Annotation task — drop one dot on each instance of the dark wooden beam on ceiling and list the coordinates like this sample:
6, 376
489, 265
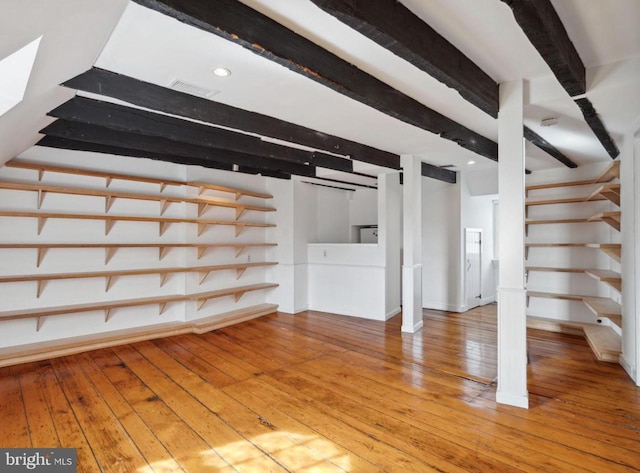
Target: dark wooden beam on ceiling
236, 22
64, 143
542, 25
436, 172
547, 147
595, 123
122, 118
155, 97
394, 27
106, 136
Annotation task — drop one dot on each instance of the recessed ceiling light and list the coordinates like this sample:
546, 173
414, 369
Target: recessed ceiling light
222, 72
471, 162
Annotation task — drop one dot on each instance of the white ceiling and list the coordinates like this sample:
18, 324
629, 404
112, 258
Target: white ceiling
149, 46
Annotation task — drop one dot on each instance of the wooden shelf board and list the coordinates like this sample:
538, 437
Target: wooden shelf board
41, 168
46, 350
555, 221
558, 184
612, 172
603, 307
555, 270
566, 200
552, 295
556, 325
605, 342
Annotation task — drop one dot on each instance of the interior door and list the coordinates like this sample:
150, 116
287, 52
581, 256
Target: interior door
473, 267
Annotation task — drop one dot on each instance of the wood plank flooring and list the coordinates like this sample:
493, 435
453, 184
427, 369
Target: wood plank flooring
320, 392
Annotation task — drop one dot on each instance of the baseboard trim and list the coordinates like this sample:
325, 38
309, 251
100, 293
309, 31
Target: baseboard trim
69, 346
393, 313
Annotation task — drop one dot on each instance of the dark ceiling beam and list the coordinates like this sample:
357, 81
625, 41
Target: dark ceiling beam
394, 27
121, 118
64, 143
595, 123
547, 147
436, 172
106, 136
162, 99
542, 25
242, 25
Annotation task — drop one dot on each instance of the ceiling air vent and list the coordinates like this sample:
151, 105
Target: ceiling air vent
192, 89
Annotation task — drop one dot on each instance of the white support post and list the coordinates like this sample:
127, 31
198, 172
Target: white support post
412, 240
512, 312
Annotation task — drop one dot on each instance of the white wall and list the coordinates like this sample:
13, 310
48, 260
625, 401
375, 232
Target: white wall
361, 280
477, 212
22, 295
568, 283
441, 246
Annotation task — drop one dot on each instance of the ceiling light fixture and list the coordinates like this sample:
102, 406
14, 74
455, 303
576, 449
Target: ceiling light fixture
222, 71
471, 162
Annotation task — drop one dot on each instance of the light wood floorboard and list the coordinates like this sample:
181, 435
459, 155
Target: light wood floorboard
320, 392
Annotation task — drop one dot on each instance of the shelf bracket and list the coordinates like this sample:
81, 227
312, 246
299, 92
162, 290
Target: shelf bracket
41, 222
201, 228
39, 323
41, 252
163, 306
240, 212
240, 272
239, 250
164, 205
41, 284
163, 186
108, 254
41, 195
238, 295
107, 315
108, 200
200, 303
238, 195
163, 278
108, 181
163, 250
201, 190
109, 283
108, 225
163, 227
40, 174
202, 208
201, 251
239, 229
203, 276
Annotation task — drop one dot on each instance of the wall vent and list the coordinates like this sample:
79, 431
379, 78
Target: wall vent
192, 89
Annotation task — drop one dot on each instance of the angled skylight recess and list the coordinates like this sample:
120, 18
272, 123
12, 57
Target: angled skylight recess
15, 71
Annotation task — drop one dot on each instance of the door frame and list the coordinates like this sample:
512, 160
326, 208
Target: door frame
470, 303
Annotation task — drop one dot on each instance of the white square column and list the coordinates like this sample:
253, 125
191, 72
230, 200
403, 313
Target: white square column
412, 242
512, 296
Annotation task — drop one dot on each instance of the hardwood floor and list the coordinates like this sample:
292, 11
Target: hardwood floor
320, 392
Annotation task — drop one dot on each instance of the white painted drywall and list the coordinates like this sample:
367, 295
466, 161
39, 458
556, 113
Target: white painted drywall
441, 246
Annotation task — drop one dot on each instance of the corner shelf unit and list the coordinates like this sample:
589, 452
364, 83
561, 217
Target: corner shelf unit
604, 336
199, 298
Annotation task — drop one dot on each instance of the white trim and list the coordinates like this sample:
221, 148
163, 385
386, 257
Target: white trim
512, 400
628, 367
413, 329
393, 312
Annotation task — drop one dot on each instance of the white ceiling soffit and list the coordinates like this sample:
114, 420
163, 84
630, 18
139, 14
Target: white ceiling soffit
484, 30
73, 33
15, 71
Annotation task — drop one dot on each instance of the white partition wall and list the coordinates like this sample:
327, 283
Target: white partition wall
512, 318
412, 247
